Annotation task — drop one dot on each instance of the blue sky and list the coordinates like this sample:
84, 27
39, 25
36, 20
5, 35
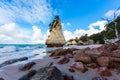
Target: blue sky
26, 21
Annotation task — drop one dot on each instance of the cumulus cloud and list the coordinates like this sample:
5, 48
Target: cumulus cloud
31, 11
79, 32
110, 13
12, 33
37, 36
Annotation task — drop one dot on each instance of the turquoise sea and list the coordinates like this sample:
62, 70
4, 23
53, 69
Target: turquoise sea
15, 51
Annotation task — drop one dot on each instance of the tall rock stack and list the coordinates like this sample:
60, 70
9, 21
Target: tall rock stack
56, 38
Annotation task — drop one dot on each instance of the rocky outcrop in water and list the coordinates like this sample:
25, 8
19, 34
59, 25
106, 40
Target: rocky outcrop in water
56, 38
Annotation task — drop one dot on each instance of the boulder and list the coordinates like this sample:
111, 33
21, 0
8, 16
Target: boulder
56, 38
64, 60
79, 66
92, 65
27, 66
99, 78
114, 64
48, 73
103, 61
82, 57
69, 55
106, 49
11, 61
28, 75
109, 47
116, 53
60, 52
2, 79
71, 70
103, 71
114, 59
56, 57
66, 77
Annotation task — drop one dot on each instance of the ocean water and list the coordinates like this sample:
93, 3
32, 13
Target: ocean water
14, 51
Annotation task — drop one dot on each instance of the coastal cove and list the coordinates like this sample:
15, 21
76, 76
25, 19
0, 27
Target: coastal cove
41, 58
59, 39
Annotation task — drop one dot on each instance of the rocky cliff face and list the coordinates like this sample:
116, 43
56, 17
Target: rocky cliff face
56, 38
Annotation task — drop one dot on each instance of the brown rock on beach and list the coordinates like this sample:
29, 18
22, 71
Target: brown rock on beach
82, 57
64, 60
48, 73
92, 65
79, 66
71, 70
66, 77
27, 66
103, 61
103, 71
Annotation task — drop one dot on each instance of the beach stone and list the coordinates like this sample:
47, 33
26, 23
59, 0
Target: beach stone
79, 66
23, 58
28, 75
72, 49
115, 59
92, 65
66, 77
56, 57
58, 52
103, 61
69, 55
11, 61
116, 53
64, 60
62, 52
93, 52
48, 73
81, 57
109, 47
106, 49
27, 66
50, 64
115, 65
103, 71
84, 59
2, 79
71, 70
99, 78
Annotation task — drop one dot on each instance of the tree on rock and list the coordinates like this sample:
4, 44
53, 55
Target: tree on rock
56, 38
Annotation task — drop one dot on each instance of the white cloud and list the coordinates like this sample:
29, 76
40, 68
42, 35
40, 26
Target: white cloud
68, 24
11, 33
31, 11
110, 13
63, 24
79, 32
37, 36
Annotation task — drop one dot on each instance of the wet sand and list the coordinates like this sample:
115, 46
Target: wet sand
12, 72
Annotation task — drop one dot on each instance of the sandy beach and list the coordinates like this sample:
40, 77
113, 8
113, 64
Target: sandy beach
13, 72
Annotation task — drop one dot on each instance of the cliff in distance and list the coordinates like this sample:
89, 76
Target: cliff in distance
56, 38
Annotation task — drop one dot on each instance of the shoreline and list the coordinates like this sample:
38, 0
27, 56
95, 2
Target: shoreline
12, 72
